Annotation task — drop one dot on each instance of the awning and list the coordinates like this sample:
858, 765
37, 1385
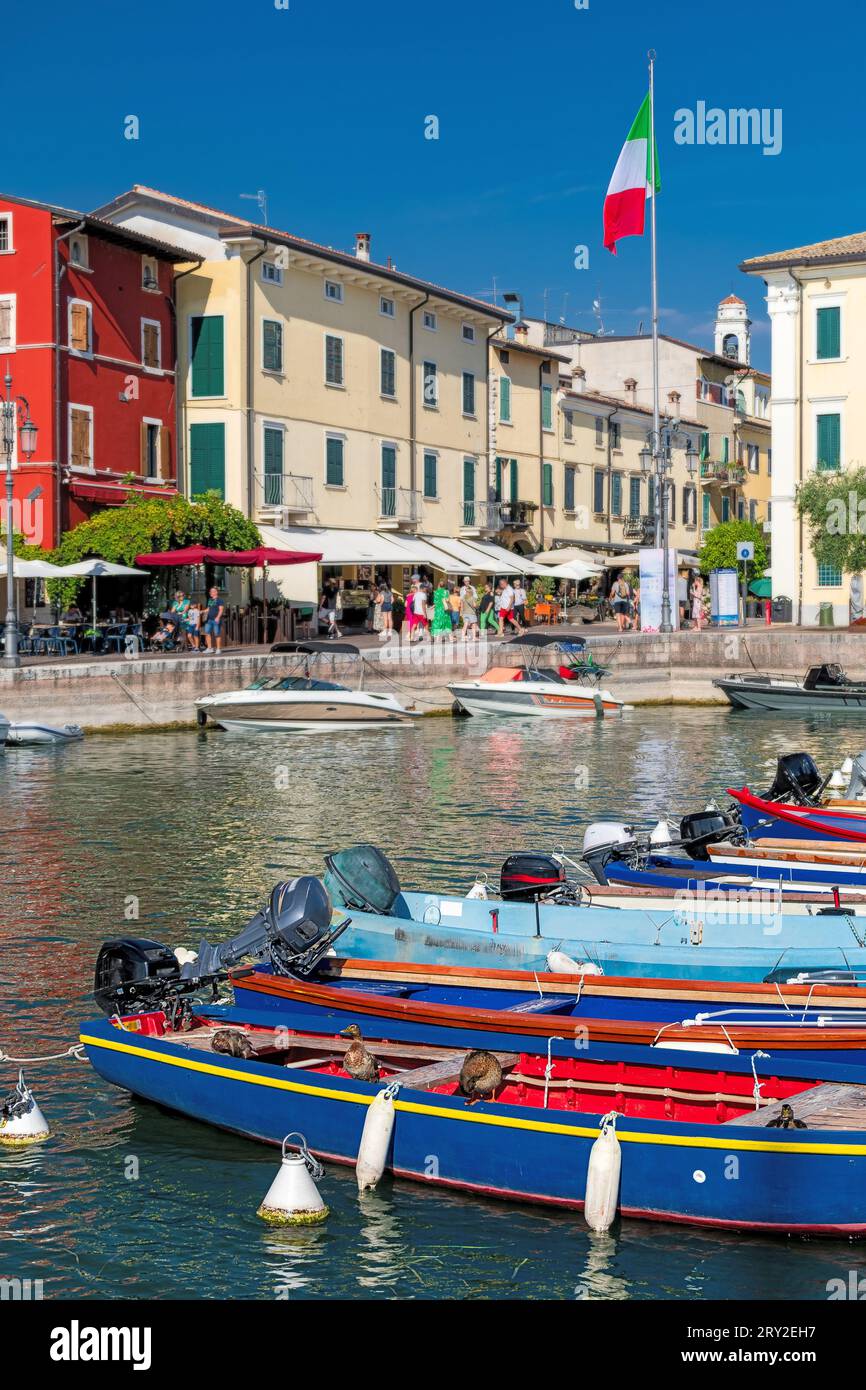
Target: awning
229, 559
567, 555
632, 558
347, 547
485, 557
113, 493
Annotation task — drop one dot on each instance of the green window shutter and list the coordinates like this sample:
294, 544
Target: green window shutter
547, 407
206, 355
334, 473
505, 399
207, 459
389, 467
726, 509
468, 480
725, 446
273, 451
468, 393
705, 446
333, 360
568, 500
547, 484
497, 480
598, 492
634, 496
829, 337
705, 511
829, 443
513, 481
272, 346
430, 475
388, 373
616, 494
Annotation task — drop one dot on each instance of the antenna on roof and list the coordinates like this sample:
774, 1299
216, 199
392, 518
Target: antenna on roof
562, 316
261, 198
596, 309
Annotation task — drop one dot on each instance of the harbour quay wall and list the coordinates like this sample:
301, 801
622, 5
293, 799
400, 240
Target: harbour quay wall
153, 692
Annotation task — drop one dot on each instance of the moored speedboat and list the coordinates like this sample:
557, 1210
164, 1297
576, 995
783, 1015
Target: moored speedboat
296, 700
569, 689
824, 688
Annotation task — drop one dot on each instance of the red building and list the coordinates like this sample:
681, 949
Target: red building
87, 334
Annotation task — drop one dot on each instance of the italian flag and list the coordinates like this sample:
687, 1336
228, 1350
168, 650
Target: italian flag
629, 188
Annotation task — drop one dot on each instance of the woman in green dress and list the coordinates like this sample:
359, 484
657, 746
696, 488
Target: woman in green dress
441, 616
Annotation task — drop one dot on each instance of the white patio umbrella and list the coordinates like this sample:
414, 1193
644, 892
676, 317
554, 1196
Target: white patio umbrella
94, 569
31, 569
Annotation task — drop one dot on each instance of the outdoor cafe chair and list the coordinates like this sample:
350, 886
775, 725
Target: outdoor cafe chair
117, 635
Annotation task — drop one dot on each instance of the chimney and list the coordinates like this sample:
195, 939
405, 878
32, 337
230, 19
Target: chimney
521, 333
674, 401
362, 245
631, 390
578, 379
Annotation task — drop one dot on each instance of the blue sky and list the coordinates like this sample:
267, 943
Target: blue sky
323, 105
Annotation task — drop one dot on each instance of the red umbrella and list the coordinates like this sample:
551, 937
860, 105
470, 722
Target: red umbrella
230, 559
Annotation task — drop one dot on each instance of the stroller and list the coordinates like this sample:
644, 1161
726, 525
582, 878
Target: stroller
171, 636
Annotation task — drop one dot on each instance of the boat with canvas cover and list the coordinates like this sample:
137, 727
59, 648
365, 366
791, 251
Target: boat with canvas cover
293, 700
30, 732
799, 1140
824, 689
567, 689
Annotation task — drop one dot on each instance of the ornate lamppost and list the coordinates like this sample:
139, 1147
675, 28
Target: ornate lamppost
656, 460
14, 414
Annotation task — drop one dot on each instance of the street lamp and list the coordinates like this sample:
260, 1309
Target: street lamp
656, 459
15, 411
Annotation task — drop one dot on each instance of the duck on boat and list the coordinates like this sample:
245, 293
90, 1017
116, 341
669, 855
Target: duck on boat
568, 687
297, 699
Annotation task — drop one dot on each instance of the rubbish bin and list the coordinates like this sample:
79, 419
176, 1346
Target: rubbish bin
783, 609
825, 615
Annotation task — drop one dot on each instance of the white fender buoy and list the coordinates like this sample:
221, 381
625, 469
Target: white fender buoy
21, 1120
602, 1177
478, 889
293, 1198
558, 963
375, 1139
183, 956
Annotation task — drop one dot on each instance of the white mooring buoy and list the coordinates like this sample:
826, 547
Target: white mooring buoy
21, 1120
602, 1177
558, 963
376, 1139
293, 1198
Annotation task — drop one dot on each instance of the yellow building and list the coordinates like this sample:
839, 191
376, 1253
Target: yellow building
816, 296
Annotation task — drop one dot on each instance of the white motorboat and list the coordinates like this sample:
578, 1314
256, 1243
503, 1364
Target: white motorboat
4, 729
297, 700
27, 732
570, 689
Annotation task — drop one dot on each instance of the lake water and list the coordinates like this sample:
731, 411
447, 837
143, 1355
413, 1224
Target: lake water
191, 830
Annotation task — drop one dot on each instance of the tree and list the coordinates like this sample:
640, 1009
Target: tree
719, 550
835, 507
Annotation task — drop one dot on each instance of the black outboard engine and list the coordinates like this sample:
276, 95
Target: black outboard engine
528, 877
703, 828
293, 933
797, 779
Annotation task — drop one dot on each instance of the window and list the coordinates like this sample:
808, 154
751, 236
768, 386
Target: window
547, 407
505, 358
80, 326
272, 274
613, 430
335, 457
567, 425
827, 333
753, 510
387, 372
468, 492
149, 273
7, 323
616, 494
389, 481
151, 345
387, 307
741, 509
431, 464
726, 509
273, 447
505, 400
829, 576
467, 332
651, 486
334, 291
705, 511
547, 484
80, 436
431, 386
769, 463
333, 360
207, 459
671, 489
272, 345
206, 354
828, 443
754, 458
568, 489
151, 437
6, 232
690, 504
769, 511
79, 253
634, 496
599, 430
468, 393
430, 321
598, 478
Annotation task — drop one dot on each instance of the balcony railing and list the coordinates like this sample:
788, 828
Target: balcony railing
482, 516
716, 472
289, 492
517, 516
399, 506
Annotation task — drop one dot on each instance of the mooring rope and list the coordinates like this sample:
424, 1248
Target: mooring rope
76, 1051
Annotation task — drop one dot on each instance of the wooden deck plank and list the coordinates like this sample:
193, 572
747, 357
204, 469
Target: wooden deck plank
422, 1078
832, 1105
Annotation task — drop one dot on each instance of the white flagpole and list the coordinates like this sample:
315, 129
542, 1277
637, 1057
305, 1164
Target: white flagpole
658, 452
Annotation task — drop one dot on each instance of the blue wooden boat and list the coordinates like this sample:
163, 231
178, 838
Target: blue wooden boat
685, 1127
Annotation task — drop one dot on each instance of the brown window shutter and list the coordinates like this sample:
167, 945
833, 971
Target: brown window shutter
80, 439
151, 345
78, 335
142, 449
164, 453
5, 324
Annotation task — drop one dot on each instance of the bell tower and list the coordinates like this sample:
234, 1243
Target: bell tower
733, 330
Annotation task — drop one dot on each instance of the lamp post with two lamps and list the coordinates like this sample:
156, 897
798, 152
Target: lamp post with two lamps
14, 414
656, 460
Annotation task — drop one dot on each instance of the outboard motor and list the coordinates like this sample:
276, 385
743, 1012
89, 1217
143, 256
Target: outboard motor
703, 828
362, 878
606, 840
530, 877
131, 972
797, 779
857, 781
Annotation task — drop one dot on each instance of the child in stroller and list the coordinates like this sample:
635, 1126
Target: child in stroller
170, 636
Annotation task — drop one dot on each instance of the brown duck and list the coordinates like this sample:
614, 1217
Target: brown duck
358, 1062
786, 1120
233, 1043
480, 1075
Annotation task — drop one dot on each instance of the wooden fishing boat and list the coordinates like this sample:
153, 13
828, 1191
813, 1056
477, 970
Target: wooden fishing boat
681, 1124
457, 1006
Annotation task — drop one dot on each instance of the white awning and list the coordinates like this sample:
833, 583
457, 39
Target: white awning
348, 547
485, 557
566, 555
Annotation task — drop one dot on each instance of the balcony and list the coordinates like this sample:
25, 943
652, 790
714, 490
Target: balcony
727, 474
638, 528
282, 496
516, 516
480, 518
397, 507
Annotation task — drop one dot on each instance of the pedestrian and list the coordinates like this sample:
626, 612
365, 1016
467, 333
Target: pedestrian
697, 597
376, 609
213, 628
455, 607
487, 610
387, 609
469, 608
506, 607
419, 610
193, 627
620, 595
520, 601
441, 622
